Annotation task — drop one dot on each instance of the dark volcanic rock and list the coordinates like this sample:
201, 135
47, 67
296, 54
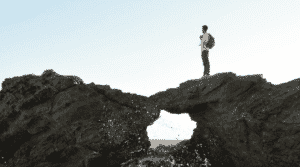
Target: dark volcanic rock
242, 120
49, 120
58, 121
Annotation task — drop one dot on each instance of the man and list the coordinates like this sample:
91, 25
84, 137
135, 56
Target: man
205, 50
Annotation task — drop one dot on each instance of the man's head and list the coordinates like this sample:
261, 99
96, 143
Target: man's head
204, 28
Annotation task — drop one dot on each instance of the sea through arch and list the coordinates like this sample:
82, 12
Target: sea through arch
170, 129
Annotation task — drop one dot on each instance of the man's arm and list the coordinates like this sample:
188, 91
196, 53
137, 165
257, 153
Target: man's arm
201, 36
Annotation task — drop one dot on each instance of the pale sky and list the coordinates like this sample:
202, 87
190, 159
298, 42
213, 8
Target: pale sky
147, 46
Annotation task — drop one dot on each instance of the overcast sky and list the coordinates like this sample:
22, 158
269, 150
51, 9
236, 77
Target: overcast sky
147, 46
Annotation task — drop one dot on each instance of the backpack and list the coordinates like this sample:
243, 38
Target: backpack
211, 42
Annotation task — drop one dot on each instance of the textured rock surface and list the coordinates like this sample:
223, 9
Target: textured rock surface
58, 121
49, 120
242, 120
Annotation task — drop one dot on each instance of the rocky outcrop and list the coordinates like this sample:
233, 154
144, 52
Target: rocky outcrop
54, 121
243, 121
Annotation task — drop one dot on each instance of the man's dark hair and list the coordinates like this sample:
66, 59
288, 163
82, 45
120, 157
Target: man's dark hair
205, 28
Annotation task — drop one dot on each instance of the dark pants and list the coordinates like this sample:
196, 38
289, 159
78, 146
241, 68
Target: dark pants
205, 62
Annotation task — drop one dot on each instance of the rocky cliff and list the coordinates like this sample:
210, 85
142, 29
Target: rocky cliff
244, 121
53, 120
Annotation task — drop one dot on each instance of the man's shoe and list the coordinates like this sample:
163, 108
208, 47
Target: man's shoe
203, 76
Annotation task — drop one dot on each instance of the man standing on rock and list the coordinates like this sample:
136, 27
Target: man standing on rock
205, 50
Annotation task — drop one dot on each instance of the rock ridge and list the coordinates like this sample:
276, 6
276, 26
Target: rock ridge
54, 120
252, 121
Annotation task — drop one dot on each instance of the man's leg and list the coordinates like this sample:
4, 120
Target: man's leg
205, 62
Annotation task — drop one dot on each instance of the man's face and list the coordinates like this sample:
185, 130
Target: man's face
203, 31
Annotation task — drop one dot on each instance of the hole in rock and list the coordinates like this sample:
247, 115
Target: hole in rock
170, 129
